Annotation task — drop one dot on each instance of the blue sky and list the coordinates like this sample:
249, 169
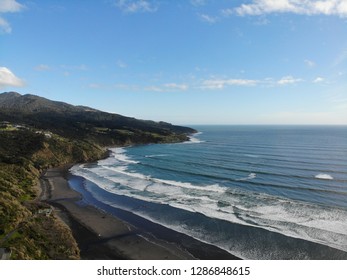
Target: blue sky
183, 61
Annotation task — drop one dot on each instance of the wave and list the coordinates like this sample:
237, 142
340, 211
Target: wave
305, 184
117, 156
324, 177
299, 152
252, 156
269, 153
242, 165
202, 190
193, 139
306, 221
155, 156
150, 180
249, 177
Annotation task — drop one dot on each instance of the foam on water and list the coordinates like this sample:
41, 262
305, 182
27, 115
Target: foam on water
249, 177
154, 156
119, 154
324, 177
239, 207
292, 218
193, 139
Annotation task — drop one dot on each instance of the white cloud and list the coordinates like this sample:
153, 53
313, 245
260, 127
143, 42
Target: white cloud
221, 83
318, 80
7, 78
207, 84
8, 6
136, 6
214, 84
288, 80
170, 87
227, 12
174, 86
207, 18
5, 26
310, 63
306, 7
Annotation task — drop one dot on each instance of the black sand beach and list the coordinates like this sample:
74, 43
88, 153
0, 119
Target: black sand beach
104, 236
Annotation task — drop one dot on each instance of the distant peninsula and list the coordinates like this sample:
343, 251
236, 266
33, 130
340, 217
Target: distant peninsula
36, 134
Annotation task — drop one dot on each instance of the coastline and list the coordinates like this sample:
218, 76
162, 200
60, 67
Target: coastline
103, 236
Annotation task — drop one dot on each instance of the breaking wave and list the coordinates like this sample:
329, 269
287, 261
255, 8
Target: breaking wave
324, 177
230, 185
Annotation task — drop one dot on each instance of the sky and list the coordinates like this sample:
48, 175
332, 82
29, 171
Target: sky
184, 61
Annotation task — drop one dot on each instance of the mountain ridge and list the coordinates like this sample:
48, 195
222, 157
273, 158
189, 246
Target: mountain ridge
31, 102
86, 123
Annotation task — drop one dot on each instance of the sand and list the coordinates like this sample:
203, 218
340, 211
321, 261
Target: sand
104, 236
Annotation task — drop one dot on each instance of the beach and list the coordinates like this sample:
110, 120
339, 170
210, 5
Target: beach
103, 236
244, 197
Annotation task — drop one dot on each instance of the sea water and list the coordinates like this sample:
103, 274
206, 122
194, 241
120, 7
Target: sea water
258, 192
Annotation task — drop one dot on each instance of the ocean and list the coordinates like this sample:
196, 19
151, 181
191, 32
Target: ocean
258, 192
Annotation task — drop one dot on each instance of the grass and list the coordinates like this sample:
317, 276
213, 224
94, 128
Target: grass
23, 155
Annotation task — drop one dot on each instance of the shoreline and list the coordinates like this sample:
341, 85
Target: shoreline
101, 235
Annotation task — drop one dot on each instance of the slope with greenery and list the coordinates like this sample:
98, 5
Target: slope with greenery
35, 134
24, 153
85, 123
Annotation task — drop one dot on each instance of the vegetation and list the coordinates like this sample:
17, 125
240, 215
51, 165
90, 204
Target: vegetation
87, 124
35, 134
24, 154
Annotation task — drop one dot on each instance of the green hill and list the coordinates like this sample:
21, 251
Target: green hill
85, 123
37, 133
24, 153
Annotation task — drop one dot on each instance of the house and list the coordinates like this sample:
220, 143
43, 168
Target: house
46, 211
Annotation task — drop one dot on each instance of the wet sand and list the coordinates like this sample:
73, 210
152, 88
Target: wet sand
104, 236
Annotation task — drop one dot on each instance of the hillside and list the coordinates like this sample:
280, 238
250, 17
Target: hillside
37, 133
85, 123
24, 153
